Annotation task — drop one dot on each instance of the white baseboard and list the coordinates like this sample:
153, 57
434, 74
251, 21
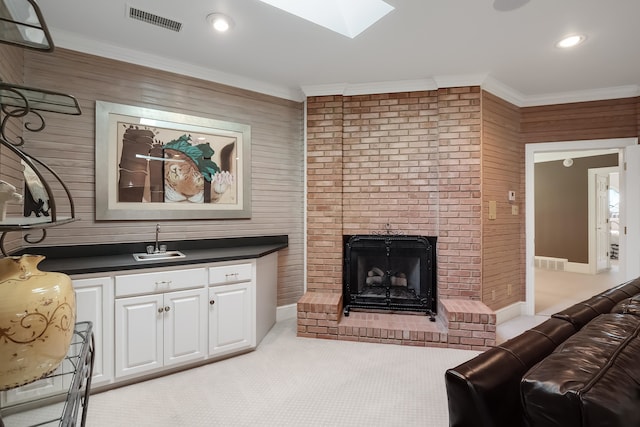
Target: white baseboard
510, 312
577, 267
285, 312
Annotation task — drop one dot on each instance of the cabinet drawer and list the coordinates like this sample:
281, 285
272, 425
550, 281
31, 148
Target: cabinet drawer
230, 273
161, 281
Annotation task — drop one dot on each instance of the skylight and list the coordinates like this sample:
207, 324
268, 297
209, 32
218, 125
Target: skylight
346, 17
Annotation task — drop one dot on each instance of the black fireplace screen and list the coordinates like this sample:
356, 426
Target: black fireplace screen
389, 272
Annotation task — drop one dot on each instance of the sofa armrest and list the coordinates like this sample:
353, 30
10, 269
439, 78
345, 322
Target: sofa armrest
485, 391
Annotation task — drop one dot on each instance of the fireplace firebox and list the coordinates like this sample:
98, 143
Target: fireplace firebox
390, 272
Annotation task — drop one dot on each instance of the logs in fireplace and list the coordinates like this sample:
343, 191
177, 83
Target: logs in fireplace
390, 272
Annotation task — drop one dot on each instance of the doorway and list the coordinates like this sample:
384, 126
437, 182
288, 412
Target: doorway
628, 151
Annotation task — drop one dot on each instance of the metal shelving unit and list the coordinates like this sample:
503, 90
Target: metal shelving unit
69, 407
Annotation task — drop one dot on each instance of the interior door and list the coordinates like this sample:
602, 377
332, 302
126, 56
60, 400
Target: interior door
629, 217
603, 232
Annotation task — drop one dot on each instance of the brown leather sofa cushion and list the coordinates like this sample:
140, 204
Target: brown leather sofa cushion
590, 380
484, 391
581, 313
628, 306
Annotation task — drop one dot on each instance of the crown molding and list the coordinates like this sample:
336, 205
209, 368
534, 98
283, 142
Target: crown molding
71, 41
460, 80
351, 89
629, 91
503, 91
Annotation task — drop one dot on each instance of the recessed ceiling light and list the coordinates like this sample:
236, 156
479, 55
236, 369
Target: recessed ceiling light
346, 17
508, 5
220, 22
571, 41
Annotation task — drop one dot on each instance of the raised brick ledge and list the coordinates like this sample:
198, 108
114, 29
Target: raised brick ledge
464, 310
470, 323
320, 302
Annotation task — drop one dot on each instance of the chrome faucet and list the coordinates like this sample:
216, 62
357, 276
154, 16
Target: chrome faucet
156, 249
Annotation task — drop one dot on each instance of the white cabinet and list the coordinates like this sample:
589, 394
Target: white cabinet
45, 387
160, 329
231, 318
149, 320
232, 308
94, 302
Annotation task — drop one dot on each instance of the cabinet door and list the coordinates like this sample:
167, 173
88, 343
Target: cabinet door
139, 334
185, 323
231, 318
94, 302
52, 384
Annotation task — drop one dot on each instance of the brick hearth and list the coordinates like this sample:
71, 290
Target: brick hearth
463, 324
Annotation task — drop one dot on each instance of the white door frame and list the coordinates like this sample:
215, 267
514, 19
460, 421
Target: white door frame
594, 250
549, 147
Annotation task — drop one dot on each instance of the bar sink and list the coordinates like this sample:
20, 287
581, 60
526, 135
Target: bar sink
158, 256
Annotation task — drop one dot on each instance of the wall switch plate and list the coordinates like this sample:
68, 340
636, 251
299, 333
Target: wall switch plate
512, 196
492, 209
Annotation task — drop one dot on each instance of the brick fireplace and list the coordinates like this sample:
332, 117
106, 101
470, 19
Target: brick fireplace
409, 162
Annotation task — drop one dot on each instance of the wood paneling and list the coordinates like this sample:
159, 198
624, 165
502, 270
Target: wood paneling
68, 146
11, 66
615, 118
503, 243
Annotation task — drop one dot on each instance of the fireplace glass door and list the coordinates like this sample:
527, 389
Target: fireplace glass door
389, 272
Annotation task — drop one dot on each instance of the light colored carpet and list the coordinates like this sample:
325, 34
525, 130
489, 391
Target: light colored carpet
290, 381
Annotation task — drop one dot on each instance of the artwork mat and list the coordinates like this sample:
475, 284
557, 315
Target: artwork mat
107, 160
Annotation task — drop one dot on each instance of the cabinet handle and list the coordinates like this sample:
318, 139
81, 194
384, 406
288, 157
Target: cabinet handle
163, 282
212, 302
167, 308
160, 310
231, 275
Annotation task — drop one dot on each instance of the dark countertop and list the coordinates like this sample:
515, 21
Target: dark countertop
82, 259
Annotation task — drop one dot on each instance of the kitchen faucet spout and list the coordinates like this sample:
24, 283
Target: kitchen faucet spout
156, 249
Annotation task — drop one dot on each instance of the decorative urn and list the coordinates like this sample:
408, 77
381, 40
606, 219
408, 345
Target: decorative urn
37, 319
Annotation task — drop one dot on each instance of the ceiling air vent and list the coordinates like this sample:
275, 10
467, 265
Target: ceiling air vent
154, 19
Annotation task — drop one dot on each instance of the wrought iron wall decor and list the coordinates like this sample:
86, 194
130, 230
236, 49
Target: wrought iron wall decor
26, 103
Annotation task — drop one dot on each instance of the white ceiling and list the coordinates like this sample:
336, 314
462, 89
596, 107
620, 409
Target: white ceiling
422, 44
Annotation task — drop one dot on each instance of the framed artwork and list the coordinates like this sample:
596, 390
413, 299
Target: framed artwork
153, 164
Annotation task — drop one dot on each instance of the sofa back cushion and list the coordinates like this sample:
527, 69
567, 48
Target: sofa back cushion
628, 306
592, 379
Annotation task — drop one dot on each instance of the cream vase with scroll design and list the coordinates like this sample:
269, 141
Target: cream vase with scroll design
37, 319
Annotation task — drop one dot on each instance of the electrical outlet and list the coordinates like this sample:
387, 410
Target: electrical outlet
514, 210
493, 295
509, 289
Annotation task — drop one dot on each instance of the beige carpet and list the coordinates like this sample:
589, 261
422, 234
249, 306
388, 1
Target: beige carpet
290, 381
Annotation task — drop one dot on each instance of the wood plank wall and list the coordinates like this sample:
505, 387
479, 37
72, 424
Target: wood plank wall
67, 145
11, 70
614, 118
503, 239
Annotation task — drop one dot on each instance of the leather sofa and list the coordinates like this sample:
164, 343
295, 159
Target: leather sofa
581, 367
